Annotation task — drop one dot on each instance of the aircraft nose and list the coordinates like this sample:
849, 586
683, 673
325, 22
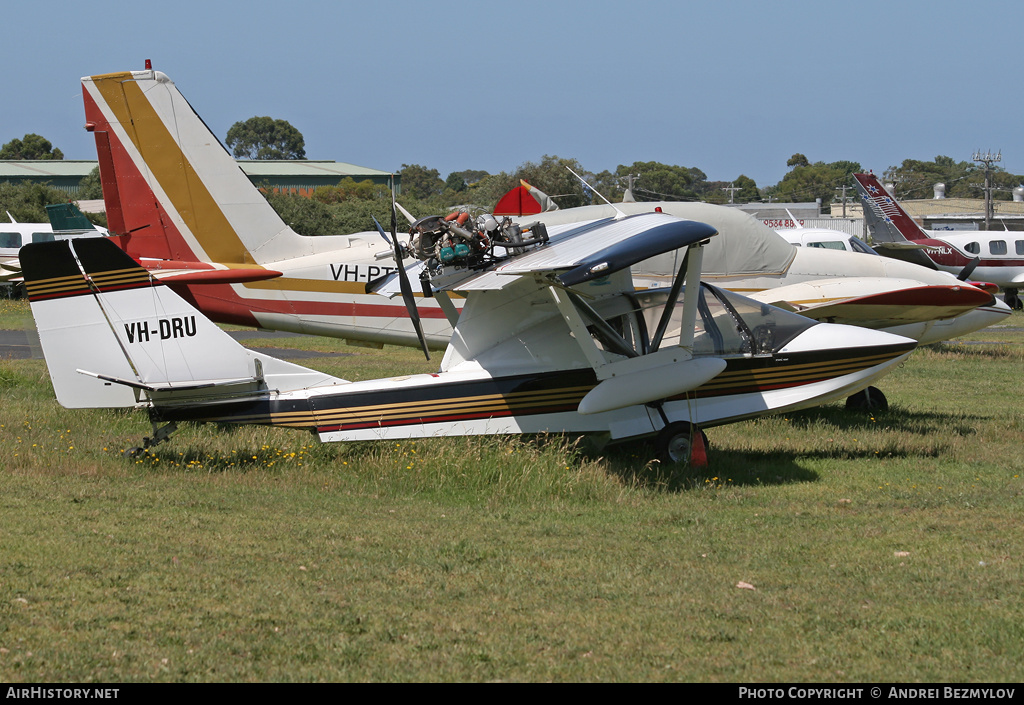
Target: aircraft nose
831, 336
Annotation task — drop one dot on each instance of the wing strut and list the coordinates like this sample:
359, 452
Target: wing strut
673, 296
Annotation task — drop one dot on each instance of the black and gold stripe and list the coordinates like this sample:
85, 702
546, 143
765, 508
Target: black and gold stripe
520, 395
51, 271
57, 287
119, 279
110, 268
781, 371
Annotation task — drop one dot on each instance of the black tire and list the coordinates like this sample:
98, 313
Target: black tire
675, 442
870, 399
1012, 299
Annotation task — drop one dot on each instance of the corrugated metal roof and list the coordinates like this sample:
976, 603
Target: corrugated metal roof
61, 168
300, 168
45, 168
960, 206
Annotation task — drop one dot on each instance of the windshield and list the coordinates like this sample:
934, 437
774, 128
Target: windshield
727, 323
859, 245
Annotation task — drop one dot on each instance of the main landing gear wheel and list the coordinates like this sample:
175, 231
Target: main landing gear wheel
1012, 299
870, 399
682, 443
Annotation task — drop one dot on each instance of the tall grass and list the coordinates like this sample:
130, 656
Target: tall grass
820, 546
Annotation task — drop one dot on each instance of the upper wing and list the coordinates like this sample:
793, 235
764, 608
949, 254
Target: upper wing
579, 253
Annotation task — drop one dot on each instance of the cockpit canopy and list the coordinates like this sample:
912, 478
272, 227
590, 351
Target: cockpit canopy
727, 324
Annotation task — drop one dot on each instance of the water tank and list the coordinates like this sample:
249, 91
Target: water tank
940, 191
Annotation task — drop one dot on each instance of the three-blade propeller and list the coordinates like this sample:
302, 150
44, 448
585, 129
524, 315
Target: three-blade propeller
403, 276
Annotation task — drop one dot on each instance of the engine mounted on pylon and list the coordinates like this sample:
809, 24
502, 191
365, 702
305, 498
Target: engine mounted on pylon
457, 240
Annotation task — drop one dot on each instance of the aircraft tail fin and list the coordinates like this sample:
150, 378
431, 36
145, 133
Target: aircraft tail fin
886, 218
113, 336
67, 219
171, 189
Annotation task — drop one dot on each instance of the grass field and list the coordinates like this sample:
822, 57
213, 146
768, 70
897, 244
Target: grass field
818, 546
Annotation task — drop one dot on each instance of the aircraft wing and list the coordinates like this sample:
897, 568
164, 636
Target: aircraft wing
904, 246
579, 253
891, 303
10, 269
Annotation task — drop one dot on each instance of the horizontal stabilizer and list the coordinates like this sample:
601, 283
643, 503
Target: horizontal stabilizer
187, 386
179, 272
111, 333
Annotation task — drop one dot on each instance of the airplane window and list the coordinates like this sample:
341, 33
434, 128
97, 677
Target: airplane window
858, 245
997, 247
42, 237
1020, 247
10, 240
828, 245
973, 247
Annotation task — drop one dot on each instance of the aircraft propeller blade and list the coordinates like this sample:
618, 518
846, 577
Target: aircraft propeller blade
403, 277
407, 214
381, 231
968, 270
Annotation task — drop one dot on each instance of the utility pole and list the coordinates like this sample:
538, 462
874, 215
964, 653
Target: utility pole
844, 187
628, 196
732, 192
988, 159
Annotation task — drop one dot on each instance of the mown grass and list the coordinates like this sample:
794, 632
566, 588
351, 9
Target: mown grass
881, 548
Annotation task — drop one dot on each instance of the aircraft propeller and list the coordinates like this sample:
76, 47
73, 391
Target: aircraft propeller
403, 276
968, 270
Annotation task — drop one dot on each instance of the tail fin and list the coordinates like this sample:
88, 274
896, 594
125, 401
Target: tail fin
67, 220
165, 177
886, 218
114, 337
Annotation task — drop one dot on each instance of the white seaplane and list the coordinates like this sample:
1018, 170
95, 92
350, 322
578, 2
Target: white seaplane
553, 337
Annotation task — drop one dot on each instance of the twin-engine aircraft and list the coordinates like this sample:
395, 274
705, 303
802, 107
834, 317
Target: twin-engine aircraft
993, 256
186, 211
553, 337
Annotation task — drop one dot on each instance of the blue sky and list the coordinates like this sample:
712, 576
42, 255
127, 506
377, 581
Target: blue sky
729, 87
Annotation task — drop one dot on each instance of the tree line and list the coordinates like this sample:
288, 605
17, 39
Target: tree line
348, 206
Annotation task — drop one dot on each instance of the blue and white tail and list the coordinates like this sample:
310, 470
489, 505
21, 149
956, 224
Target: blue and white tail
113, 336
